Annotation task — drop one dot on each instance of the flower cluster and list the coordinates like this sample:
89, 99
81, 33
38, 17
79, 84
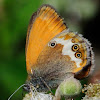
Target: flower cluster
92, 92
38, 96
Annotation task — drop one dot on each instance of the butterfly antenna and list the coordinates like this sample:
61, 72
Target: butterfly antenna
16, 91
46, 84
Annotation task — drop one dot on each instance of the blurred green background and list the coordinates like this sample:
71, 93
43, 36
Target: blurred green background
82, 16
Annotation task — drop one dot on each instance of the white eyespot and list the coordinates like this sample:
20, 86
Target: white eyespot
75, 47
78, 55
52, 44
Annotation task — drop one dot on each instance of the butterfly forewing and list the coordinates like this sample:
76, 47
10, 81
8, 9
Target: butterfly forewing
45, 24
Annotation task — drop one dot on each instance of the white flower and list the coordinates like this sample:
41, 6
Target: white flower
38, 96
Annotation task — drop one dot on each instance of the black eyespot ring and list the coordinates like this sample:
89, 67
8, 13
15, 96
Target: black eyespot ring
52, 44
78, 54
75, 47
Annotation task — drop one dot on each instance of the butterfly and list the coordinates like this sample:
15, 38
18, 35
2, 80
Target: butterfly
53, 51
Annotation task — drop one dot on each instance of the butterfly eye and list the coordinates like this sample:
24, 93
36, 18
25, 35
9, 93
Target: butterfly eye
78, 54
75, 47
52, 44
